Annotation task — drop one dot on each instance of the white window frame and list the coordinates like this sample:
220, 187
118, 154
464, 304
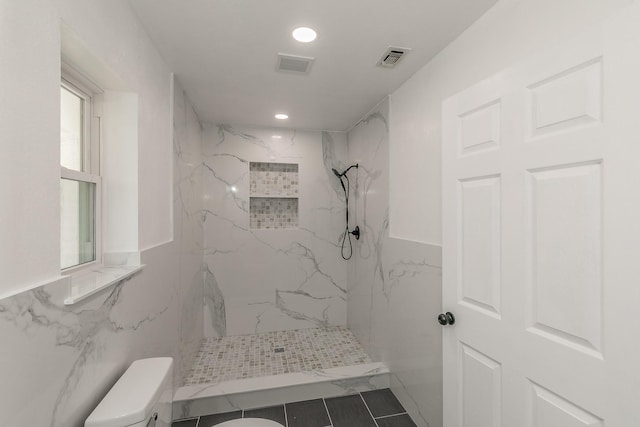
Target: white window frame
81, 86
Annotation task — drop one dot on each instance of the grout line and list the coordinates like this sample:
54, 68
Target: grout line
328, 414
286, 419
392, 415
369, 410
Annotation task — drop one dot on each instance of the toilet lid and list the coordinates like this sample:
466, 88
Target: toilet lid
249, 422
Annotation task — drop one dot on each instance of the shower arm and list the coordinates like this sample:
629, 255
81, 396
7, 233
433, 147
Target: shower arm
348, 169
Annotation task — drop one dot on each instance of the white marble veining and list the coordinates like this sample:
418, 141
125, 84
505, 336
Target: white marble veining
79, 344
58, 361
97, 279
394, 285
188, 230
268, 280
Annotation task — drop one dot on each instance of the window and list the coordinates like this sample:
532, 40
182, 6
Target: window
80, 182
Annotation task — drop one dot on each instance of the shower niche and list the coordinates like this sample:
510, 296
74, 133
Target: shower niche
273, 196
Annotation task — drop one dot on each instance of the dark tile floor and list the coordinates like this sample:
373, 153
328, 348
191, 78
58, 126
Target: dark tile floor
377, 408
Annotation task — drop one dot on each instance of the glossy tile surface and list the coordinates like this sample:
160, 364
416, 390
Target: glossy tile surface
396, 421
349, 411
186, 423
310, 413
395, 285
342, 411
211, 420
382, 402
273, 413
290, 276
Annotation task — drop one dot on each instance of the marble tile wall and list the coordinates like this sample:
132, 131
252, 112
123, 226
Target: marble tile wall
57, 361
394, 285
188, 229
275, 279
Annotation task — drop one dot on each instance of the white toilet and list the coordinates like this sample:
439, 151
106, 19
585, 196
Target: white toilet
142, 397
249, 422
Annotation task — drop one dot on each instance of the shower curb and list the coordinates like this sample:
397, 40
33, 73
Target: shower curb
204, 399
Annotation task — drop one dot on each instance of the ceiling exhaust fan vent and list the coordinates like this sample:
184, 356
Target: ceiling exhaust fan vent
294, 64
392, 56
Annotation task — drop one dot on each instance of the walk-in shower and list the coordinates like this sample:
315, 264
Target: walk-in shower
356, 231
269, 368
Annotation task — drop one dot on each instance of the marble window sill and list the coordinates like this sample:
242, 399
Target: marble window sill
97, 279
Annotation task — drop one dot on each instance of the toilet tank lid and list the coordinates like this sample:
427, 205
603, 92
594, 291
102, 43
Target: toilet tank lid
133, 396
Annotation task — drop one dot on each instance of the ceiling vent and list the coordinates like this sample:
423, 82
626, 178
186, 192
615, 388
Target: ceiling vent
392, 56
294, 64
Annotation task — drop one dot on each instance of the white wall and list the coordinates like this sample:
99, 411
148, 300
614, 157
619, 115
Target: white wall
30, 123
58, 361
509, 32
127, 49
29, 114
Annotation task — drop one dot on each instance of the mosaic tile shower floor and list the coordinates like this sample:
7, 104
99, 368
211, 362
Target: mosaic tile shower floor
274, 353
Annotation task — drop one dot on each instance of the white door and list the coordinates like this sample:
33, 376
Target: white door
541, 246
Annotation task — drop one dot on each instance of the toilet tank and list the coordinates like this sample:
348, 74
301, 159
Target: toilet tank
140, 398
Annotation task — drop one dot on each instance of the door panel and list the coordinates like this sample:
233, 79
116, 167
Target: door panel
480, 244
541, 230
570, 99
564, 255
482, 389
549, 409
480, 129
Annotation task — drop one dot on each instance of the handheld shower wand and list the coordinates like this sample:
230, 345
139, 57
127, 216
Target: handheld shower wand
347, 233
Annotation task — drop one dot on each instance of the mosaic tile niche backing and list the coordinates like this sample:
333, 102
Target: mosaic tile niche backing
273, 179
273, 198
273, 213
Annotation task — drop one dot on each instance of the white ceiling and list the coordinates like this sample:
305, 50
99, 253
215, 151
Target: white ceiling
224, 53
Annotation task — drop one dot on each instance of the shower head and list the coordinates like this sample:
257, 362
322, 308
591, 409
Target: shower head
339, 175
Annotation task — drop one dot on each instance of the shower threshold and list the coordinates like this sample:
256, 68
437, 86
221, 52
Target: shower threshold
252, 371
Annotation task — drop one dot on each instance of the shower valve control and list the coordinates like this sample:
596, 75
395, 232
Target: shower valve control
446, 318
356, 232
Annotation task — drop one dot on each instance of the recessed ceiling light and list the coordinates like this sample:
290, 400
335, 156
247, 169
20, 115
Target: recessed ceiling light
281, 116
276, 136
304, 34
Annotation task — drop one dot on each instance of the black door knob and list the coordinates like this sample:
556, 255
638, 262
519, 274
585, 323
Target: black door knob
446, 318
